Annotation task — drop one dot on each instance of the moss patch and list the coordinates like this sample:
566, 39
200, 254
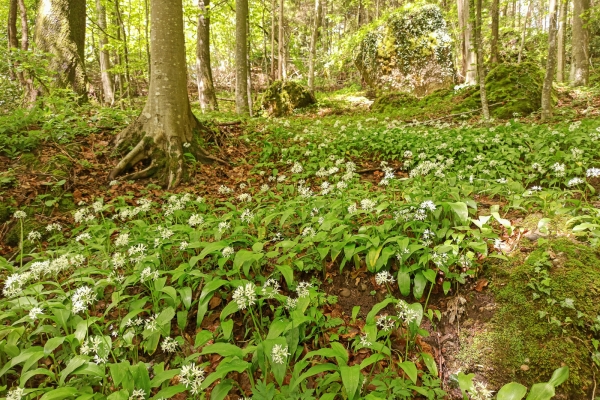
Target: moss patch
547, 305
282, 98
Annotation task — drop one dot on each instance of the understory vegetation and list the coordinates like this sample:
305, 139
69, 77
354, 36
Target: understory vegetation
331, 260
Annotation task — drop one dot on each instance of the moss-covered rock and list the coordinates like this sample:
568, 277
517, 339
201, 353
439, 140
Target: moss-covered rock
517, 87
546, 318
283, 97
409, 50
390, 102
5, 212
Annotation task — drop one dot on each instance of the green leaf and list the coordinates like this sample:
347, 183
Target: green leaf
186, 296
120, 395
163, 376
404, 283
221, 390
420, 284
430, 363
223, 349
60, 393
169, 392
430, 275
465, 382
460, 209
376, 308
512, 391
372, 257
52, 344
350, 379
411, 370
287, 273
75, 363
541, 391
317, 369
559, 376
229, 309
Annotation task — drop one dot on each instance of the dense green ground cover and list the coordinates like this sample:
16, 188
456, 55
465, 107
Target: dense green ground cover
230, 290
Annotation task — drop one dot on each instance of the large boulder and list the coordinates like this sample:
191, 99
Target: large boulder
513, 90
409, 50
283, 97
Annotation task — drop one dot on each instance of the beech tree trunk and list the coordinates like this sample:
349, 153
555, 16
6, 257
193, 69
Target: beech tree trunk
524, 32
241, 57
495, 11
581, 44
24, 26
13, 42
550, 63
562, 23
480, 68
60, 30
469, 58
206, 89
273, 8
282, 75
166, 125
106, 77
313, 45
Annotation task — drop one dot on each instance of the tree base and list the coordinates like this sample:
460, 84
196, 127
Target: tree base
163, 141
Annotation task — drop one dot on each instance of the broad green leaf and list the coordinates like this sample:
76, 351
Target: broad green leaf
430, 363
169, 392
317, 369
404, 283
411, 370
287, 272
75, 363
52, 344
512, 391
460, 209
223, 349
350, 379
420, 284
541, 391
221, 390
559, 376
60, 393
465, 381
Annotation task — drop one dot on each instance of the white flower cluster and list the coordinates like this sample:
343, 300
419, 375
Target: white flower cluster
385, 322
575, 181
593, 172
405, 313
279, 354
195, 220
169, 345
384, 277
245, 296
271, 288
83, 297
98, 345
227, 251
192, 377
303, 289
247, 216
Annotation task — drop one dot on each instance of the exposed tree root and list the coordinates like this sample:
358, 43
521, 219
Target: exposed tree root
162, 142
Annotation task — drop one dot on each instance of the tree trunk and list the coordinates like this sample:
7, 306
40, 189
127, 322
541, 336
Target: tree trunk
125, 47
480, 67
249, 65
469, 58
562, 24
550, 63
24, 26
495, 27
107, 82
581, 44
241, 57
281, 74
13, 42
60, 30
166, 124
313, 45
273, 40
524, 32
206, 89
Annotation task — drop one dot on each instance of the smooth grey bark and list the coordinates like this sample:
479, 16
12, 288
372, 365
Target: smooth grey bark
123, 33
313, 45
550, 63
281, 74
241, 57
206, 89
469, 58
524, 32
580, 44
166, 123
13, 42
480, 68
106, 77
495, 11
60, 30
562, 23
273, 39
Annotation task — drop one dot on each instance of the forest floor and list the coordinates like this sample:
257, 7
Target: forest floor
524, 303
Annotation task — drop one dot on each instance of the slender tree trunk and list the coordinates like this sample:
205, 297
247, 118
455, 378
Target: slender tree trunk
551, 62
24, 26
13, 42
273, 8
249, 64
107, 82
241, 57
281, 61
561, 59
469, 58
524, 32
313, 45
123, 32
580, 44
480, 68
60, 30
167, 125
147, 35
206, 89
495, 11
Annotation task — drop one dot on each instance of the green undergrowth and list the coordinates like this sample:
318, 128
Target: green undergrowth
547, 311
151, 296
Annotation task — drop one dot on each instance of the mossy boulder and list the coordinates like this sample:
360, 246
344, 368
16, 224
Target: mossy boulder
517, 87
283, 97
409, 50
390, 102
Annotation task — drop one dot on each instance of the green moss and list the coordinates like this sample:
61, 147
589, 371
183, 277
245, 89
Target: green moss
517, 87
394, 101
283, 97
540, 332
29, 160
5, 212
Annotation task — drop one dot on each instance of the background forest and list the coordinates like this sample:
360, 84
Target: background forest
323, 199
